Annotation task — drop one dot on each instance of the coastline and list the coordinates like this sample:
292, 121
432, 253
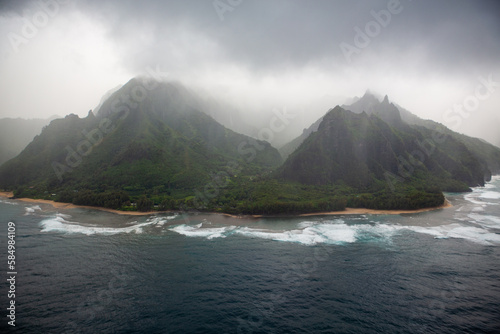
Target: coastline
60, 205
347, 211
363, 211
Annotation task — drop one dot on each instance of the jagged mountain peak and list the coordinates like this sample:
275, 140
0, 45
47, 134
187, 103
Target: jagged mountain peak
371, 96
359, 149
372, 105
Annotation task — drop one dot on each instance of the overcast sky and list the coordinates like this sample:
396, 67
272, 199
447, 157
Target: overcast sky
62, 56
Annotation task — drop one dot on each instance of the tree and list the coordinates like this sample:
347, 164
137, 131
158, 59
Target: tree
144, 203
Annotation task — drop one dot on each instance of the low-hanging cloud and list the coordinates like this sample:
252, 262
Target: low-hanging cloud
263, 53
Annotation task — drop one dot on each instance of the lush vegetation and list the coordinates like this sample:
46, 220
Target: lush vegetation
261, 196
166, 155
361, 150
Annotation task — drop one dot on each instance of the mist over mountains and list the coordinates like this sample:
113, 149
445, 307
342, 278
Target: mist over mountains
16, 133
160, 145
158, 142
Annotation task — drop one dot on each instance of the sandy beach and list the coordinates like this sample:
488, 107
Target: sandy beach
361, 211
347, 211
59, 205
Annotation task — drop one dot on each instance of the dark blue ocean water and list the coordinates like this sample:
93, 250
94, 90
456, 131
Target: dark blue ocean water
87, 271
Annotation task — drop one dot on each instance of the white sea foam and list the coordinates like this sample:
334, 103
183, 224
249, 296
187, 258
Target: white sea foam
8, 202
477, 198
458, 231
62, 215
160, 221
338, 232
334, 233
490, 195
198, 231
307, 236
31, 210
308, 233
377, 231
480, 194
486, 220
478, 208
59, 223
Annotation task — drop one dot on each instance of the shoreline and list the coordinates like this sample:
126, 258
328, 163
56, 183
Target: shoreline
347, 211
60, 205
364, 211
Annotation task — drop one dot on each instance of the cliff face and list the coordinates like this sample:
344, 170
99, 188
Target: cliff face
348, 148
153, 145
361, 150
141, 140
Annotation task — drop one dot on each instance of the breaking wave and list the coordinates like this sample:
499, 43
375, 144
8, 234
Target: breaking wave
338, 232
31, 210
485, 195
476, 218
60, 223
197, 231
8, 202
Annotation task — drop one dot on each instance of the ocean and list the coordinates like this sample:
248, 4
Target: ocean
89, 271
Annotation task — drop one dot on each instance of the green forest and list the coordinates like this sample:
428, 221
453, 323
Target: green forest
166, 154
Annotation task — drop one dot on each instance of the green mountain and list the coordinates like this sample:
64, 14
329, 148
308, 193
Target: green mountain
371, 158
154, 145
146, 140
381, 161
368, 103
457, 160
291, 146
487, 154
359, 150
16, 133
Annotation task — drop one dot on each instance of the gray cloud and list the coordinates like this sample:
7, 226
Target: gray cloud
269, 34
427, 57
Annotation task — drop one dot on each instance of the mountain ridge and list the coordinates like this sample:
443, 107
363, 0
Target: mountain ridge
16, 133
155, 145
